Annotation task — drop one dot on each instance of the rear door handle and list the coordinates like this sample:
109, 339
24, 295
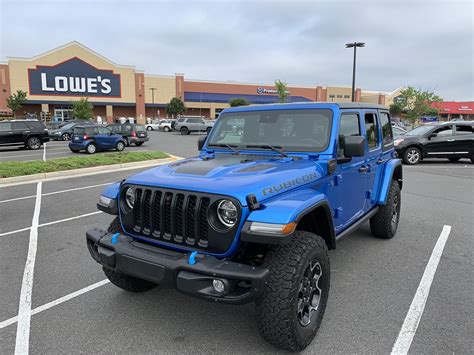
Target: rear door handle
451, 140
364, 168
380, 161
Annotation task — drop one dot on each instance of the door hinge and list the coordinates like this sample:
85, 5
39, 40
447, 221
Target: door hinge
337, 212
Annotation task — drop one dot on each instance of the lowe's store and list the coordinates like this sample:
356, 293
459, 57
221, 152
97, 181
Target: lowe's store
72, 71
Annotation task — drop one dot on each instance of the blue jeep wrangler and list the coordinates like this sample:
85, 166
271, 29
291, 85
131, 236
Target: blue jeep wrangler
253, 216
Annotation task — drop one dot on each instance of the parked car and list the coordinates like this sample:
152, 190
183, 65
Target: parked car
187, 125
253, 219
29, 133
65, 132
131, 133
166, 125
398, 131
152, 126
94, 138
449, 140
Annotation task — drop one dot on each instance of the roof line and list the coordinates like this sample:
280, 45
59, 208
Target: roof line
69, 44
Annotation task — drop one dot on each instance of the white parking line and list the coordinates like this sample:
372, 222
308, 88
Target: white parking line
56, 192
48, 305
24, 310
44, 152
412, 319
50, 223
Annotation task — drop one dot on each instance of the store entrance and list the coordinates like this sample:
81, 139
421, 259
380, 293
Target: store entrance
62, 113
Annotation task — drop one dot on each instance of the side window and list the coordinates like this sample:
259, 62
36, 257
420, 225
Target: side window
349, 127
5, 126
194, 120
371, 130
104, 130
444, 131
463, 130
387, 135
19, 125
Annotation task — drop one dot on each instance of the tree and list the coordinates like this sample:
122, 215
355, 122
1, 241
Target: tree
396, 109
82, 109
238, 101
176, 107
416, 103
282, 91
16, 101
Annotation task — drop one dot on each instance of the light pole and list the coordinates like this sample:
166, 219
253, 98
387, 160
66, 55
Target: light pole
354, 45
153, 103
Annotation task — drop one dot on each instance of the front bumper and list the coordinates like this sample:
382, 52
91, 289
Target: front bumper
169, 268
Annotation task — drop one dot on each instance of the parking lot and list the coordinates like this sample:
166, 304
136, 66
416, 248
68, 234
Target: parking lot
373, 281
171, 142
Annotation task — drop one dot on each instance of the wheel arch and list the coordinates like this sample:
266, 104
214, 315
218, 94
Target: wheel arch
393, 170
318, 220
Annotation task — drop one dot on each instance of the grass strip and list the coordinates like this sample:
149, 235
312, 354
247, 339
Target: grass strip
19, 168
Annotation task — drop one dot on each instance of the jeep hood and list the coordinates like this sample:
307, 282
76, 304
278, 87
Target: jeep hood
234, 175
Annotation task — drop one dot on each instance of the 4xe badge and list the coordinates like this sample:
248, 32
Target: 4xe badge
74, 77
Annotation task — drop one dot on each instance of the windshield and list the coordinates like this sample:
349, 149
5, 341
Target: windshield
139, 128
419, 131
67, 126
291, 130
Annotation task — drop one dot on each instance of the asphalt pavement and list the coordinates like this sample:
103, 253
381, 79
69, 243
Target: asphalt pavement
373, 281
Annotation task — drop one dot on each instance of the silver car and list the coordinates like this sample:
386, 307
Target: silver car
187, 125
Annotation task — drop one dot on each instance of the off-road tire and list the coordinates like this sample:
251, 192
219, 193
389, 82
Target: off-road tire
120, 146
453, 159
412, 152
277, 307
91, 148
138, 144
125, 282
382, 224
184, 131
33, 143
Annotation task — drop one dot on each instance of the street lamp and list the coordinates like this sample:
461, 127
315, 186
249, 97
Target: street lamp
354, 45
153, 103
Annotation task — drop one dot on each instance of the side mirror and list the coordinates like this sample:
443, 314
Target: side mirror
201, 141
432, 135
354, 146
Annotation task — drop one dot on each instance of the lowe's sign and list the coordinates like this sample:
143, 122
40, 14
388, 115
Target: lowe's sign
74, 77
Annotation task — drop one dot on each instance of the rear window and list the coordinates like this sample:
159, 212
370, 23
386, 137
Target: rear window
36, 124
140, 128
83, 130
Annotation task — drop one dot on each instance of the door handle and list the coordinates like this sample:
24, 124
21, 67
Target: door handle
364, 168
451, 140
380, 161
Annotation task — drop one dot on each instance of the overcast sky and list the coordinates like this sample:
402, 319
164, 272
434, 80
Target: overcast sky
426, 44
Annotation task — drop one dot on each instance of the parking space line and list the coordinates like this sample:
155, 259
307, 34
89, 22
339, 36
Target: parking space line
412, 319
56, 192
24, 309
51, 304
50, 223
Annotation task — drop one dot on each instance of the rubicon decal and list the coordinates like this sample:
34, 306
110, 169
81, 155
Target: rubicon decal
288, 184
74, 77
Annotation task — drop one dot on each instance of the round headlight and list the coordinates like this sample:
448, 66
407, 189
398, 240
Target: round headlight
130, 197
227, 213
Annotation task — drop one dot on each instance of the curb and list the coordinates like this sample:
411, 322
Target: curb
66, 174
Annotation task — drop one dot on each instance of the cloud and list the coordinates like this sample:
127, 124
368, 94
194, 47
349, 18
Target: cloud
428, 44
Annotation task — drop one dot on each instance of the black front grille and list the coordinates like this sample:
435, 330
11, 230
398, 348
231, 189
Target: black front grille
176, 217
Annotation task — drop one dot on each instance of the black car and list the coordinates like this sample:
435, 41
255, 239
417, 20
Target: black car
29, 133
448, 140
131, 133
64, 133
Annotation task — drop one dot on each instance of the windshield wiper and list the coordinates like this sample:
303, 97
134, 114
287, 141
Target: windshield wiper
266, 146
228, 146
